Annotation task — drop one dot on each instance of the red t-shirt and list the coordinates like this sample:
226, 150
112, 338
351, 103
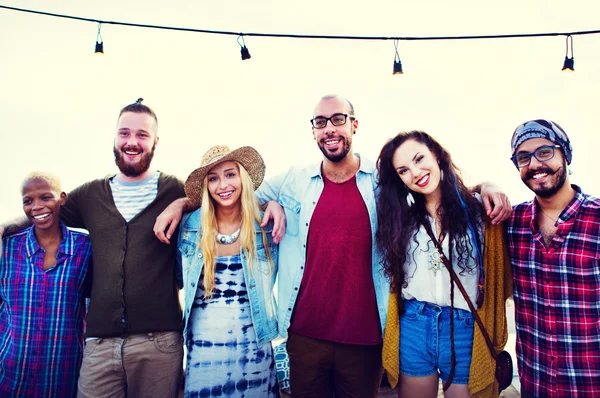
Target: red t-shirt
336, 301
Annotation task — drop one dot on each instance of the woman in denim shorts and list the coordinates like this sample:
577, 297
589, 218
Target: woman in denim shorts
420, 184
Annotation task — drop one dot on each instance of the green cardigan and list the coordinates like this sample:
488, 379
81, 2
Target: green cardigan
133, 272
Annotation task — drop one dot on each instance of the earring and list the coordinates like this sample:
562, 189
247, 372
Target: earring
441, 175
410, 200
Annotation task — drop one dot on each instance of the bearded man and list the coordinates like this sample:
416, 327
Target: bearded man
554, 243
134, 346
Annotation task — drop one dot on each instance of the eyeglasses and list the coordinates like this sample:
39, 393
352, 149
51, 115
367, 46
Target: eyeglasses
542, 154
337, 119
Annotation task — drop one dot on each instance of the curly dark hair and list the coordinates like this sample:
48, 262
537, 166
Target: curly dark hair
398, 222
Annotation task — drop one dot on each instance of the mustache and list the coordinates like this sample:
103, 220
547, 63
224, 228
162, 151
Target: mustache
546, 170
131, 149
332, 137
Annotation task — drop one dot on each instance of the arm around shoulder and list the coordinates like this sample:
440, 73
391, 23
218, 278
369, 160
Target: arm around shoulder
71, 211
495, 202
270, 189
167, 221
13, 226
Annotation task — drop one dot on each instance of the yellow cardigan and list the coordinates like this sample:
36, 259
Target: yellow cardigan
498, 287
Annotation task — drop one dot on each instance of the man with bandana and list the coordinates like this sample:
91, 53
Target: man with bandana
134, 346
554, 243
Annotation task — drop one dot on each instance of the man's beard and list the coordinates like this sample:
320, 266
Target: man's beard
338, 156
547, 192
133, 169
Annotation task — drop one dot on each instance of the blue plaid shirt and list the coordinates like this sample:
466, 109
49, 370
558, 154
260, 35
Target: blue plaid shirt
42, 315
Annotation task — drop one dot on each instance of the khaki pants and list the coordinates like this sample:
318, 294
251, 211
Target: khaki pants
325, 369
137, 365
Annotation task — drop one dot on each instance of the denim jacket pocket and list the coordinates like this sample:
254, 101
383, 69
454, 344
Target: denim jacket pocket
187, 249
188, 239
263, 264
292, 208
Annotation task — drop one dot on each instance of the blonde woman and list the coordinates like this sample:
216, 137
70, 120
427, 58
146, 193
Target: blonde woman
229, 264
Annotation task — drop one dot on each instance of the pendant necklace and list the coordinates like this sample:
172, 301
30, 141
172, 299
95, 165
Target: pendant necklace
228, 239
556, 221
435, 261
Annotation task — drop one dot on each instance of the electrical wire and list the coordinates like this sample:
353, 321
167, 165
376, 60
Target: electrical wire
304, 36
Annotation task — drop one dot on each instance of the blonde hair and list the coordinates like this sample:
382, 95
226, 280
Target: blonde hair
250, 214
51, 179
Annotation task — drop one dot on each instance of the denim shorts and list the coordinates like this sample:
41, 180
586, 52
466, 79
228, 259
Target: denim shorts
425, 341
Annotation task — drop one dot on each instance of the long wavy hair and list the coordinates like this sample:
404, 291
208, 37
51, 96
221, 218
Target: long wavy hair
398, 222
250, 215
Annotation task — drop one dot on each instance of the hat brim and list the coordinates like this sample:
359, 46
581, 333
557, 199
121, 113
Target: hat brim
247, 156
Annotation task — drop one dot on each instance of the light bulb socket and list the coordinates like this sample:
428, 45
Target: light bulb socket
569, 64
245, 53
398, 68
99, 48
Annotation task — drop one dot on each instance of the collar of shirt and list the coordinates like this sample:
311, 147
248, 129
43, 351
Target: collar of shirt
366, 166
568, 212
33, 246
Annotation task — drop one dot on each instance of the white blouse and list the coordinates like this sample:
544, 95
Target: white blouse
427, 277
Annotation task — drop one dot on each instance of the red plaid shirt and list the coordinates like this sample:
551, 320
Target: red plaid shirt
557, 300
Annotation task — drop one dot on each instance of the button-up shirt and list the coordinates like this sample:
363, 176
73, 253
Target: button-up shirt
41, 315
557, 299
298, 192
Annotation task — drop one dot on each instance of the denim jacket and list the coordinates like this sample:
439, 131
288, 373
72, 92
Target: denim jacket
298, 192
259, 282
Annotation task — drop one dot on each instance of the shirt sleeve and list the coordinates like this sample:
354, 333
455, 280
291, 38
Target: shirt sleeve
270, 189
70, 212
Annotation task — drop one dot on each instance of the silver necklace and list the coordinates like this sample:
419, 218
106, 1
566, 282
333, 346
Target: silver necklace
228, 239
435, 261
556, 221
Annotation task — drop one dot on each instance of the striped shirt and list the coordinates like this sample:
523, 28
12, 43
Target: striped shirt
41, 315
133, 197
557, 300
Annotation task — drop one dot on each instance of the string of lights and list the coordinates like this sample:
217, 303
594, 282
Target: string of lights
245, 53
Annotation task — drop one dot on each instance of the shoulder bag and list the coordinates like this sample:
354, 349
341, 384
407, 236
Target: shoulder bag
504, 363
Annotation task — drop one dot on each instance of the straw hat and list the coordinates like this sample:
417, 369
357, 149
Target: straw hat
246, 156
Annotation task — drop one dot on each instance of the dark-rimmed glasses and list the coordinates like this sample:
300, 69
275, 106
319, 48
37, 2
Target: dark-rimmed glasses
542, 154
337, 119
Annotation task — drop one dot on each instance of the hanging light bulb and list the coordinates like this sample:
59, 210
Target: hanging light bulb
569, 64
244, 50
397, 62
99, 42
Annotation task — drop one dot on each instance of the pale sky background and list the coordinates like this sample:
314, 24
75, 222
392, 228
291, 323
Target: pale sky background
59, 101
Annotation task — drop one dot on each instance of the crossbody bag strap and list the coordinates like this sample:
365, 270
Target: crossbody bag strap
461, 288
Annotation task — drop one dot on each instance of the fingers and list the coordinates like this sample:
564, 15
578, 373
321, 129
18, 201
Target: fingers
501, 208
487, 205
278, 230
507, 212
266, 217
167, 221
165, 227
159, 232
172, 229
161, 236
275, 212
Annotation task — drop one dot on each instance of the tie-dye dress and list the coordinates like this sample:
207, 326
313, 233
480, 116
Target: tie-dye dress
223, 358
